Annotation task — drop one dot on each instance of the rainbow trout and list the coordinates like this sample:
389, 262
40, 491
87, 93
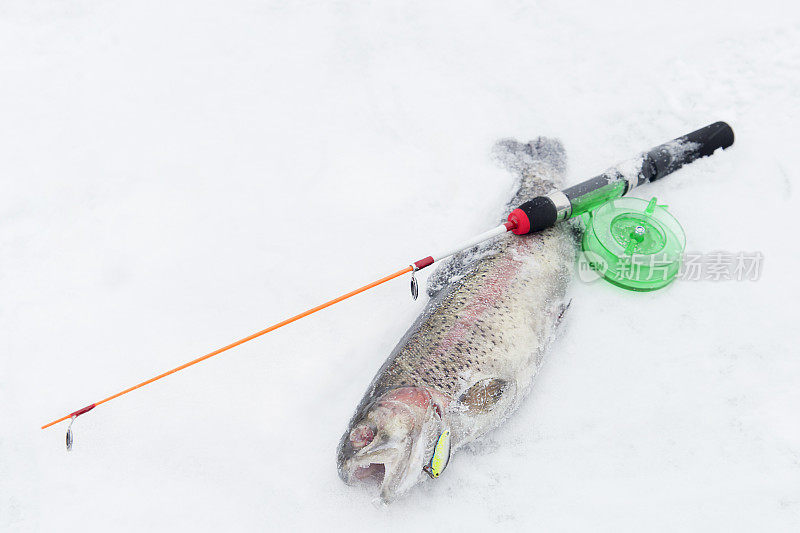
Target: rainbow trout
467, 362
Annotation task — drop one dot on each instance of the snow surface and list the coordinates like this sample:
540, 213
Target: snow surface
176, 175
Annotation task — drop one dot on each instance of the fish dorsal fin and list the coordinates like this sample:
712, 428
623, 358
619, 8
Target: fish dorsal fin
484, 395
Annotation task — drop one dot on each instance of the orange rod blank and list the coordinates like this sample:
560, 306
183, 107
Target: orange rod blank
237, 343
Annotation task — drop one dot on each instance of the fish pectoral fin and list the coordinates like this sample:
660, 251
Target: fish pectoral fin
484, 395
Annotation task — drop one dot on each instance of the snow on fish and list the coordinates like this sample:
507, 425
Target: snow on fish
467, 362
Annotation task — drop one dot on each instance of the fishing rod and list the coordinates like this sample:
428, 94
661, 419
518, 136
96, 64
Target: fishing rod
534, 215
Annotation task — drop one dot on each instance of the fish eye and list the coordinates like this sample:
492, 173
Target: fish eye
441, 456
361, 435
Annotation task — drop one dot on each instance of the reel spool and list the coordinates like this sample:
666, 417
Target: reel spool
634, 244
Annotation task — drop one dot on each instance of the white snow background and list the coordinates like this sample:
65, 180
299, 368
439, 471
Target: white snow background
177, 175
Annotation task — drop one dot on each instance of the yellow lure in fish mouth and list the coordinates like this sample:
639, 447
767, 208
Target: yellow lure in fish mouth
441, 456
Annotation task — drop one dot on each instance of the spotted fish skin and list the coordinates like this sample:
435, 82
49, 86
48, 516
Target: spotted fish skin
493, 312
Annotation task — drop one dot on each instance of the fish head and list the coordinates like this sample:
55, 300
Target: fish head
390, 443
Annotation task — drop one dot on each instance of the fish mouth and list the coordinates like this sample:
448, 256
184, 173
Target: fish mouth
369, 475
385, 465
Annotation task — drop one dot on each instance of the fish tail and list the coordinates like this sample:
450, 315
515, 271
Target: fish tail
542, 159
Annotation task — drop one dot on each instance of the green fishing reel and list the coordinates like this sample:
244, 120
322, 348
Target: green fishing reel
634, 244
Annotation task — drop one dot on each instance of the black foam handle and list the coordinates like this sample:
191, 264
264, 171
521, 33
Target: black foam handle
669, 157
541, 213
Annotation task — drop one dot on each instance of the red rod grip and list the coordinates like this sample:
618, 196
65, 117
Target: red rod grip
521, 222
